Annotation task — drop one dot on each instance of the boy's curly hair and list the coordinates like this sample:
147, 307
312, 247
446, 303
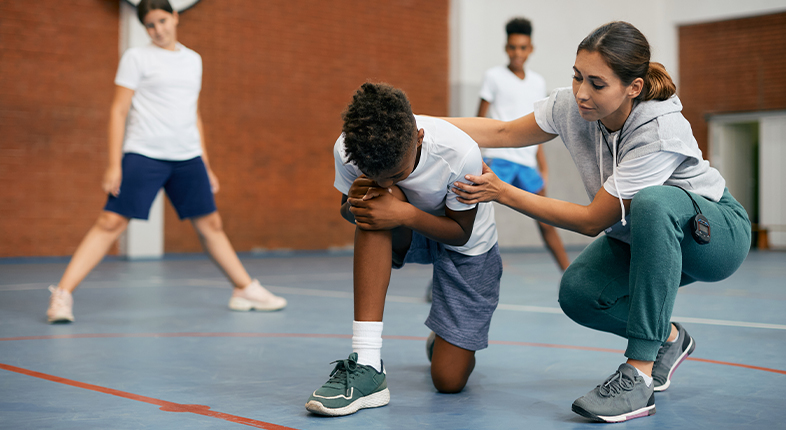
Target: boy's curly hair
379, 128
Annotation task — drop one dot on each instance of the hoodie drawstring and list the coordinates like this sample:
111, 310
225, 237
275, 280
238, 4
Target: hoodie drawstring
613, 170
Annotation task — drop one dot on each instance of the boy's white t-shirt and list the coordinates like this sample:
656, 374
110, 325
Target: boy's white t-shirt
447, 155
162, 120
511, 97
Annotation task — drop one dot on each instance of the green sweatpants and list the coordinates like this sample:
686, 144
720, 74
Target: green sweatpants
630, 289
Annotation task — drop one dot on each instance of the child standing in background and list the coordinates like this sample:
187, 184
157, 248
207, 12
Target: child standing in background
510, 92
156, 140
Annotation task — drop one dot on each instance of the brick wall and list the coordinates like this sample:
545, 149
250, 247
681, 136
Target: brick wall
57, 61
732, 66
276, 78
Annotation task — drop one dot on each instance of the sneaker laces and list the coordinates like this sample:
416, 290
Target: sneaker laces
615, 384
661, 351
344, 372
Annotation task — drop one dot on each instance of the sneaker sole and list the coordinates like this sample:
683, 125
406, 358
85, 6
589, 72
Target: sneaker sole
60, 319
643, 412
240, 304
685, 354
375, 400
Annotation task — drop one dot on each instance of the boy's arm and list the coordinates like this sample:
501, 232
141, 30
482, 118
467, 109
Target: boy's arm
358, 189
483, 108
384, 210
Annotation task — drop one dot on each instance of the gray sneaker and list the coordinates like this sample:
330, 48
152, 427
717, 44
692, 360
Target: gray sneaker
621, 397
351, 387
430, 345
670, 355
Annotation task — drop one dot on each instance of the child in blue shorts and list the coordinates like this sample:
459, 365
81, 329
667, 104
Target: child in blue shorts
510, 92
156, 141
395, 171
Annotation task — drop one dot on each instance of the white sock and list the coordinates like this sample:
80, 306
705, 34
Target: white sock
647, 379
675, 339
367, 342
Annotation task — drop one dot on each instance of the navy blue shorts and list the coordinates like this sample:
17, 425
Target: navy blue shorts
185, 182
522, 177
465, 291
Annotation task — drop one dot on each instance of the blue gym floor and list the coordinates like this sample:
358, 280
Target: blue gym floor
154, 346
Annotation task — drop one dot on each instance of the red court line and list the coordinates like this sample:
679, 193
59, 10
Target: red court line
163, 404
347, 336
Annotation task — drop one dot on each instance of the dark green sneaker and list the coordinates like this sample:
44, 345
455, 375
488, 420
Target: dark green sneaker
351, 387
670, 355
621, 397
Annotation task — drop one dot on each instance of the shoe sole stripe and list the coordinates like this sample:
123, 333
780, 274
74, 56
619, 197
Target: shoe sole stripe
643, 412
375, 400
241, 304
685, 354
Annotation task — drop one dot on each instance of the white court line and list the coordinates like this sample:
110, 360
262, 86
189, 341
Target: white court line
408, 299
549, 310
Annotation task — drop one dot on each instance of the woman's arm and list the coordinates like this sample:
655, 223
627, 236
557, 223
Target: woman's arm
211, 176
490, 133
118, 112
603, 212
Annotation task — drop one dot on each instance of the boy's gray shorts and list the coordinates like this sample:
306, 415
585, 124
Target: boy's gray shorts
465, 294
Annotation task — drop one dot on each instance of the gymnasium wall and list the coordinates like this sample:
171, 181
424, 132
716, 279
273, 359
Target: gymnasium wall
732, 66
277, 75
57, 62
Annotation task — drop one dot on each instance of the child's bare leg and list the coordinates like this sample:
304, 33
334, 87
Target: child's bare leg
450, 366
372, 266
372, 263
216, 243
92, 249
553, 242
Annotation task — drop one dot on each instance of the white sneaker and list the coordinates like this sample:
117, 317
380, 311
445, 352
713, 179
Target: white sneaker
255, 296
61, 304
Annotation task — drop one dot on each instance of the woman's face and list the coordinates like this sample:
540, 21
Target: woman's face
599, 93
162, 28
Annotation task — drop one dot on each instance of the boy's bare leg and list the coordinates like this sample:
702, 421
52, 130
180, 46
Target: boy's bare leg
372, 264
216, 243
553, 242
92, 249
450, 366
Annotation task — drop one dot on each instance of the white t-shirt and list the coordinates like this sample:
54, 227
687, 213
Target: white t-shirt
162, 121
633, 175
446, 156
511, 97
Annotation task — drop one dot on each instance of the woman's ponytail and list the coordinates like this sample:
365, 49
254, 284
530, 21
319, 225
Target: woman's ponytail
657, 84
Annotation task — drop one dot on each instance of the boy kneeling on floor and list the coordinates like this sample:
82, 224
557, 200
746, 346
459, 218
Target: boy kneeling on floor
396, 171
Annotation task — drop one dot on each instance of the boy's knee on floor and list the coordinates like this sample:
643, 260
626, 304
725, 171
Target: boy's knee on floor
448, 382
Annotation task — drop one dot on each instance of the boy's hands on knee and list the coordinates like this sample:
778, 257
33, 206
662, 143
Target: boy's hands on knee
379, 208
360, 187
